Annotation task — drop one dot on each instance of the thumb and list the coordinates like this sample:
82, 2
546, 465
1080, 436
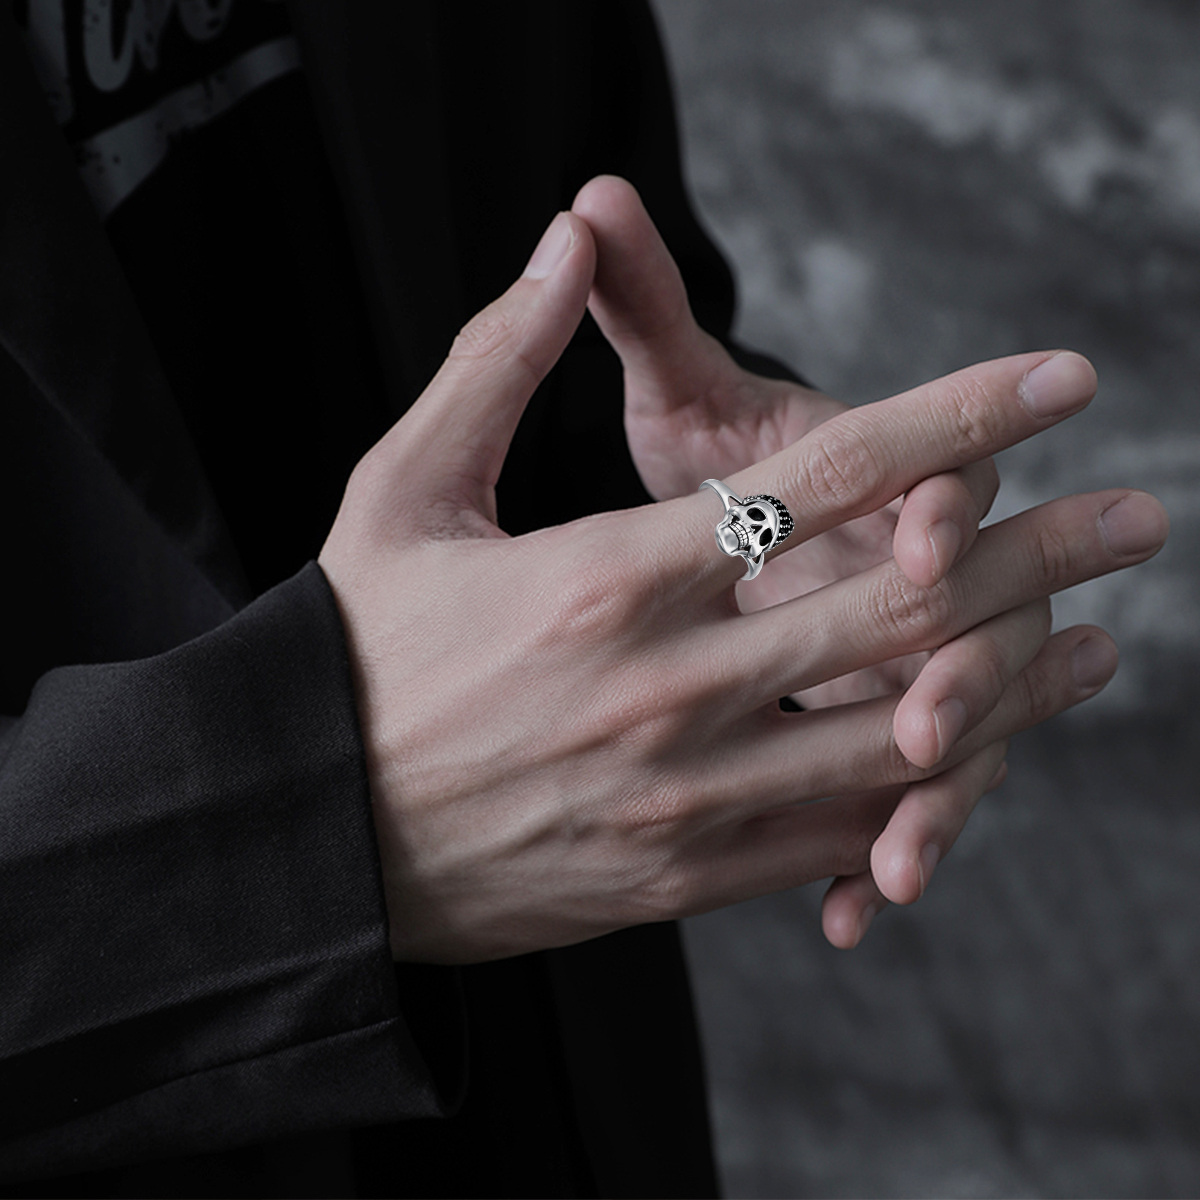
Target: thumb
448, 450
641, 305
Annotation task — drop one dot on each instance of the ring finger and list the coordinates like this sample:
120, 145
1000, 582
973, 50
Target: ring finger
772, 759
927, 823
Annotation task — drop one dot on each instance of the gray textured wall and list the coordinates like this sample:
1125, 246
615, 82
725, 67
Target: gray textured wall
905, 187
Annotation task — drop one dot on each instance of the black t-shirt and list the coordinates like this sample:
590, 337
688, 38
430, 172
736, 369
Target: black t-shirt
194, 134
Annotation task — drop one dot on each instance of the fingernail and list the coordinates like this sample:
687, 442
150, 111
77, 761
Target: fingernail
1132, 525
868, 915
1093, 662
945, 538
948, 719
927, 861
552, 249
1060, 384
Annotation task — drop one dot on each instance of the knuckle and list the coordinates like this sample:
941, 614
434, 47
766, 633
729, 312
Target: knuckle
916, 617
991, 671
1054, 558
490, 336
595, 598
639, 716
656, 811
1039, 696
666, 891
842, 470
978, 671
661, 882
607, 581
978, 425
483, 335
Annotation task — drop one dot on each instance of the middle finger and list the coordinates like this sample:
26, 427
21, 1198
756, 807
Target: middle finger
880, 614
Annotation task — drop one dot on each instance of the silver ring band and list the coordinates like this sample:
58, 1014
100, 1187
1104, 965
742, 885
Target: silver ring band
750, 527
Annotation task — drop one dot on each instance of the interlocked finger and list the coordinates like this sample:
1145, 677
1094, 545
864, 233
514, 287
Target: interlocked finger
866, 457
773, 759
965, 679
940, 518
927, 822
755, 834
880, 614
850, 904
919, 833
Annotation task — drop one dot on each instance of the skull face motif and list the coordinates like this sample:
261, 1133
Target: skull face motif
753, 526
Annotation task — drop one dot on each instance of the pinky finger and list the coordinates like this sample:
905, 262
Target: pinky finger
851, 903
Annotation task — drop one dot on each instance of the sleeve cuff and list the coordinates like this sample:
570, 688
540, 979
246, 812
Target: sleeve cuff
195, 944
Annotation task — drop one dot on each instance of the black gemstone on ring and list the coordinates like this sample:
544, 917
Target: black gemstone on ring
786, 524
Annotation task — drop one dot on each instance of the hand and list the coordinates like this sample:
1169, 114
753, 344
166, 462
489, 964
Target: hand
576, 730
691, 412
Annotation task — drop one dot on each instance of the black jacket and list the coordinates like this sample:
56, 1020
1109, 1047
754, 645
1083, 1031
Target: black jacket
197, 991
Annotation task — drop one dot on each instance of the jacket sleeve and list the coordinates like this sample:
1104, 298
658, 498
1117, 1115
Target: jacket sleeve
194, 940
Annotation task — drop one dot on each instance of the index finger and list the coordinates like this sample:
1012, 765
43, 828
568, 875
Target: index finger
864, 458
